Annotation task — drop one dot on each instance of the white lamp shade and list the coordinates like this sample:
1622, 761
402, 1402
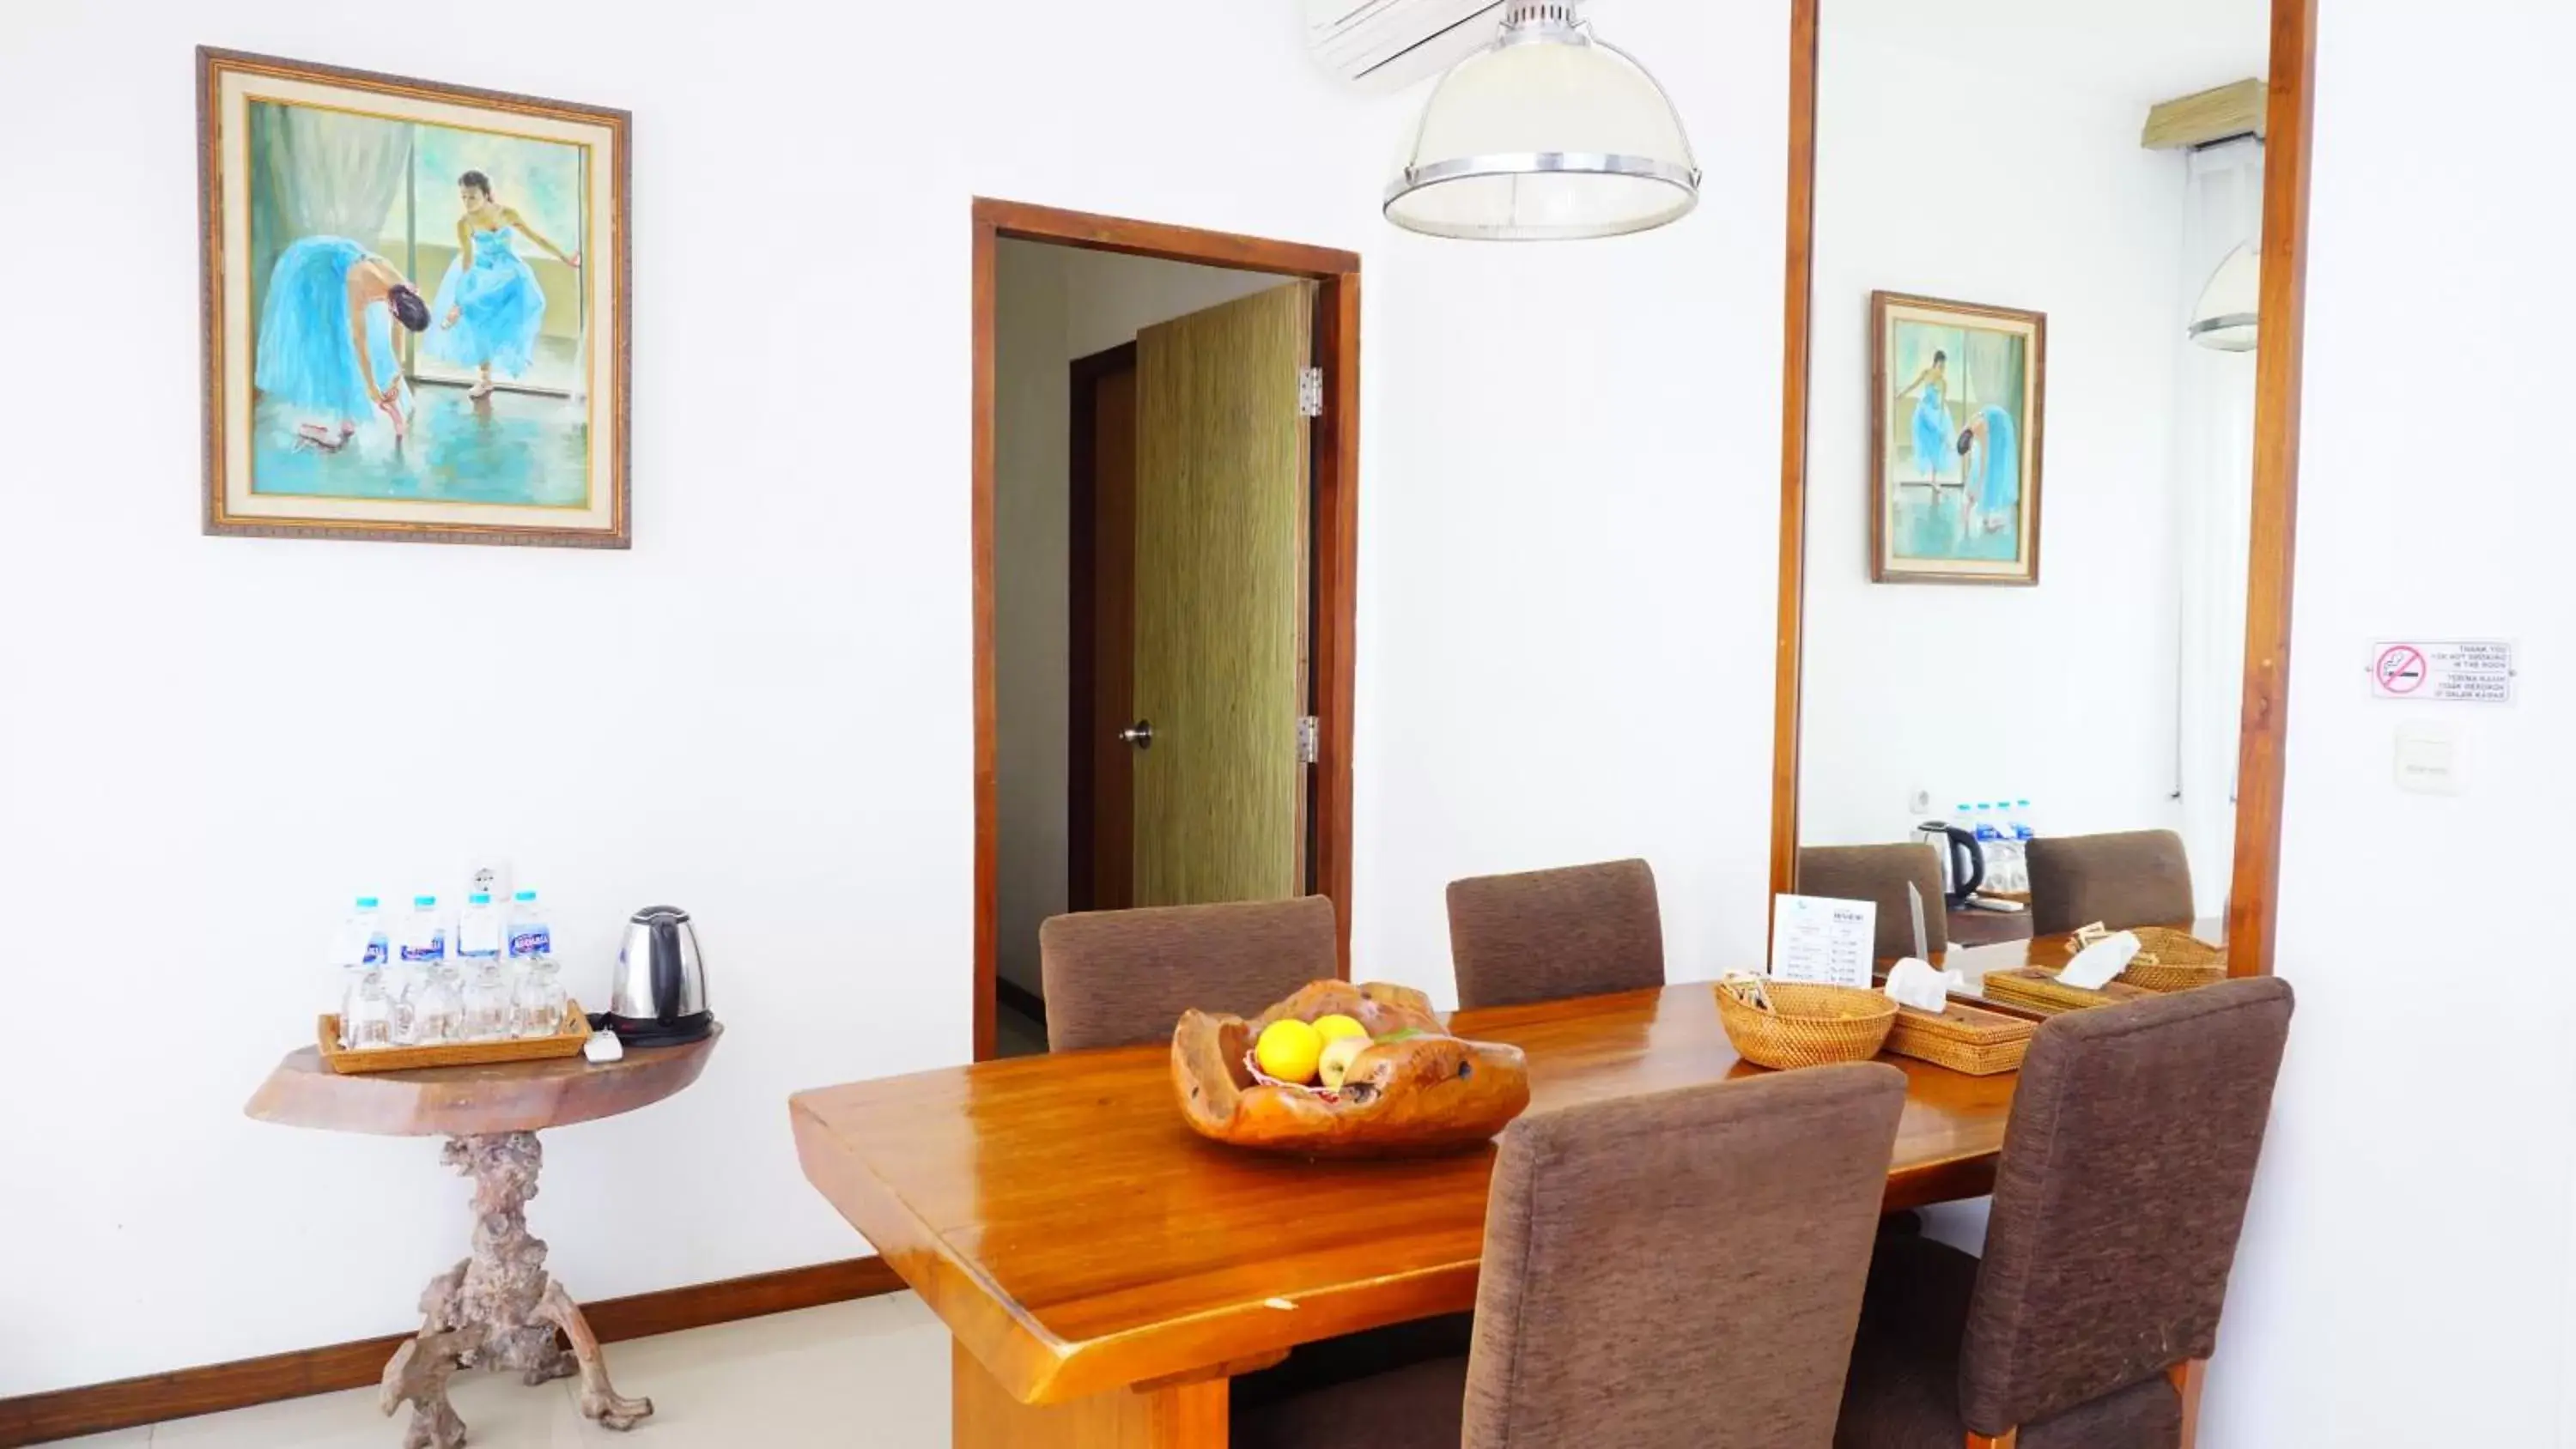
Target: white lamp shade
2228, 315
1547, 135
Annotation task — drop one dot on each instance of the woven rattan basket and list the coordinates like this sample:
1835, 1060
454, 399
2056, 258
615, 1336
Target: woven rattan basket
2174, 960
1807, 1025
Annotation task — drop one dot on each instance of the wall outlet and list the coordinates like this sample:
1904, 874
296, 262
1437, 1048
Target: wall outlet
493, 877
1919, 803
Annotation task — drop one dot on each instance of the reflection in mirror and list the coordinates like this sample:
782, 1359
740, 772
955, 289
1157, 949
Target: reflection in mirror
2029, 347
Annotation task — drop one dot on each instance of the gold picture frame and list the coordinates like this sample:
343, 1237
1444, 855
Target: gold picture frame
1957, 418
390, 353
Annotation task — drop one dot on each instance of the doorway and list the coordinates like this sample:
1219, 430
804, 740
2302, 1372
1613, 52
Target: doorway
1165, 447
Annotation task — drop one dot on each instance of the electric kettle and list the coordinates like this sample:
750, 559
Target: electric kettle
660, 995
1963, 860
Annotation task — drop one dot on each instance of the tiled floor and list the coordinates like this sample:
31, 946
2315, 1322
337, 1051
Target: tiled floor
865, 1375
1018, 1034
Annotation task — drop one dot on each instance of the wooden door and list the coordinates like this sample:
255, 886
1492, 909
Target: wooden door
1100, 803
1221, 475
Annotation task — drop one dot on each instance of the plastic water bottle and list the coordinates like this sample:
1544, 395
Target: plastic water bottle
2023, 833
366, 1012
537, 1002
1996, 846
486, 993
430, 1009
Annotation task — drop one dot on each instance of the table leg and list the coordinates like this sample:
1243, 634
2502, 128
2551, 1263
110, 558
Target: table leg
497, 1308
983, 1415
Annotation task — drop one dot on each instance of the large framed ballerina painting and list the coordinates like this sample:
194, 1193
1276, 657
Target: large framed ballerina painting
1956, 397
415, 309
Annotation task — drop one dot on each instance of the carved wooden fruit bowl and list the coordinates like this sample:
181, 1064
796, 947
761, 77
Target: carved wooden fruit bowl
1408, 1097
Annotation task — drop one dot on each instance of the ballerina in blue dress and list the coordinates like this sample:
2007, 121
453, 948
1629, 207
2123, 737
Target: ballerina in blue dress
1990, 459
325, 342
489, 304
1931, 415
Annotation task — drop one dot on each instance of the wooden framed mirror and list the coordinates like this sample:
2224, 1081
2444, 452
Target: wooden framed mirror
2003, 231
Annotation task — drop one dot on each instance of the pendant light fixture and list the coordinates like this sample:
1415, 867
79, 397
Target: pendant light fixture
2228, 316
1548, 134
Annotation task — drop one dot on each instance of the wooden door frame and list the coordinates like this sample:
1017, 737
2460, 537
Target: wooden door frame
1335, 543
2253, 903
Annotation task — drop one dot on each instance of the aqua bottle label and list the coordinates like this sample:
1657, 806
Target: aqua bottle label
531, 941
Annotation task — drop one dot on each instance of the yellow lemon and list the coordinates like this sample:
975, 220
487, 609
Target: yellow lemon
1289, 1050
1336, 1026
1339, 1053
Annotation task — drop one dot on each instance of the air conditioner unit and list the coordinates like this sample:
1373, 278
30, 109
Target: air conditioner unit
1384, 45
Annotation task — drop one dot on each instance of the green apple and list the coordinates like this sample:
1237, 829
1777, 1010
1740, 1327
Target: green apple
1338, 1056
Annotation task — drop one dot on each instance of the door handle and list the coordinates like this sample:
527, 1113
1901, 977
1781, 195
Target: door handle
1140, 734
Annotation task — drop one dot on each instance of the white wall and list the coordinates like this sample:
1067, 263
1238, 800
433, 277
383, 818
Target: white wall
2405, 1276
2017, 181
762, 712
1056, 304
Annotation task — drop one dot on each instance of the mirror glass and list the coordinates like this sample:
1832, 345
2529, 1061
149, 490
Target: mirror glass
2030, 457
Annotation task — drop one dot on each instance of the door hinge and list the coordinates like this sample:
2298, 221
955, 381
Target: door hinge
1310, 739
1310, 393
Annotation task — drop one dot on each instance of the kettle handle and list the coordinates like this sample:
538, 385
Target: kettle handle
666, 968
1967, 863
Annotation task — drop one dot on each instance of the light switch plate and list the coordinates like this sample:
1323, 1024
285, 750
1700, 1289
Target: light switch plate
2428, 759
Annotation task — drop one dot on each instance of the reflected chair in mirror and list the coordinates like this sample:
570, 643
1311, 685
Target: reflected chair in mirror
1675, 1270
1543, 935
2118, 1202
1880, 873
1121, 978
2131, 878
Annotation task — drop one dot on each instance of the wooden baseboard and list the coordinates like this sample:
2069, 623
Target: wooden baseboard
97, 1408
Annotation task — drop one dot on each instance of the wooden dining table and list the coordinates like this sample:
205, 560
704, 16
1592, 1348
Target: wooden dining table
1104, 1272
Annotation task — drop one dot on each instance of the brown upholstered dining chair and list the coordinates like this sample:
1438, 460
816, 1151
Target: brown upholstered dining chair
2131, 878
1880, 873
1120, 978
1580, 931
1675, 1270
2126, 1165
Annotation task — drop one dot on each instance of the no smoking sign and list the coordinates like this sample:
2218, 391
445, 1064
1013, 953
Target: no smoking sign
2451, 671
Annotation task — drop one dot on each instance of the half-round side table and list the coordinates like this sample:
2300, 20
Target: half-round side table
497, 1308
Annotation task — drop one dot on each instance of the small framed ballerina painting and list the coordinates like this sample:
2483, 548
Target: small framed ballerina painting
1956, 397
415, 309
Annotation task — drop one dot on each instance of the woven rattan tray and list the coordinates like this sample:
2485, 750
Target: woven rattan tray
566, 1042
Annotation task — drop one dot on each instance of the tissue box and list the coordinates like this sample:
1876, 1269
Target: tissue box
1964, 1038
2032, 989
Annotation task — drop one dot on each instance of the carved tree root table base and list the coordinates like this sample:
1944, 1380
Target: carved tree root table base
498, 1309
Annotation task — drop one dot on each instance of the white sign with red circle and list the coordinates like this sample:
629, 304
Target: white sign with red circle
2450, 671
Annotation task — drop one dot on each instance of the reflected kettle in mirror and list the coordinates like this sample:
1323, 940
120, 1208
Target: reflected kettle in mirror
1963, 861
660, 997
